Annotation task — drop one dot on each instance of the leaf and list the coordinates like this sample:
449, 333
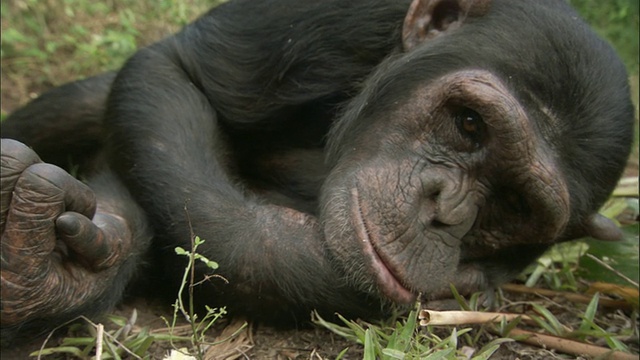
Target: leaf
553, 321
590, 313
487, 353
58, 350
358, 330
369, 348
441, 354
620, 255
342, 353
506, 327
394, 354
453, 339
490, 348
78, 341
613, 343
404, 333
461, 301
336, 329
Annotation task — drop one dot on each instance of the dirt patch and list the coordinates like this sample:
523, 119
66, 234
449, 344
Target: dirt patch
255, 341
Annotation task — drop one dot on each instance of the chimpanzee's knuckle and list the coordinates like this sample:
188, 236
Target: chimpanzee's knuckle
15, 156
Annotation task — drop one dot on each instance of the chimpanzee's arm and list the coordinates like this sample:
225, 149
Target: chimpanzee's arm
64, 125
169, 148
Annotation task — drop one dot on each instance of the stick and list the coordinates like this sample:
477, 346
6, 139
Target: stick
432, 317
99, 336
577, 298
567, 346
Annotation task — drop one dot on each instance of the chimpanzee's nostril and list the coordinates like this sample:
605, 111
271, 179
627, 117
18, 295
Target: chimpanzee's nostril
438, 224
516, 203
433, 195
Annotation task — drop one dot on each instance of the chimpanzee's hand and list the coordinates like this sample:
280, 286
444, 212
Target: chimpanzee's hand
54, 258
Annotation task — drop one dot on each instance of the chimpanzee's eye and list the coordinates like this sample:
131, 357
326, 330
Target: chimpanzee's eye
470, 125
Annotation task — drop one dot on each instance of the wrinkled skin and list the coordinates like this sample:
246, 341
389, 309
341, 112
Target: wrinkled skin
426, 215
48, 266
347, 171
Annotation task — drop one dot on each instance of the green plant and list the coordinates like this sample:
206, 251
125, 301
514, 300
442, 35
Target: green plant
198, 327
122, 340
116, 343
404, 340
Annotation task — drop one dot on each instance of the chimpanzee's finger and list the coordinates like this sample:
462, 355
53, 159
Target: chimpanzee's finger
41, 193
98, 244
15, 157
77, 196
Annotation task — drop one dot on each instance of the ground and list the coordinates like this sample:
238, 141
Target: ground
263, 342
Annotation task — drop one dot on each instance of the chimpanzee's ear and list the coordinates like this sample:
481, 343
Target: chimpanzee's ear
427, 19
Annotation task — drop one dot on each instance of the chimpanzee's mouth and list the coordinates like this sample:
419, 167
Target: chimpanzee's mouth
389, 284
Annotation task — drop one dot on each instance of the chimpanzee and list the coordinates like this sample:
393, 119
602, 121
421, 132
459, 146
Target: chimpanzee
348, 156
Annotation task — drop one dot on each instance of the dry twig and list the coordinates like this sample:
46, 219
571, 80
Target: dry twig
567, 346
573, 297
431, 317
99, 337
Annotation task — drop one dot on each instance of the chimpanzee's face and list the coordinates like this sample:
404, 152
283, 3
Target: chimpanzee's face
453, 174
455, 152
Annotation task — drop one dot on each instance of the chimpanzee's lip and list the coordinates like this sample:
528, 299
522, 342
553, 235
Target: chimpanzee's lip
389, 284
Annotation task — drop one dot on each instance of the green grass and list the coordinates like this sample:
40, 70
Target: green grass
404, 339
122, 338
617, 21
46, 43
85, 36
49, 42
58, 40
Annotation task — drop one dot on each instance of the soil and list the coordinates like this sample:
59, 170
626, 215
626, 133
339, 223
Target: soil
251, 342
239, 339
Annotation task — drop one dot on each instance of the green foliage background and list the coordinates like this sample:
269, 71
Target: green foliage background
54, 41
46, 43
617, 21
